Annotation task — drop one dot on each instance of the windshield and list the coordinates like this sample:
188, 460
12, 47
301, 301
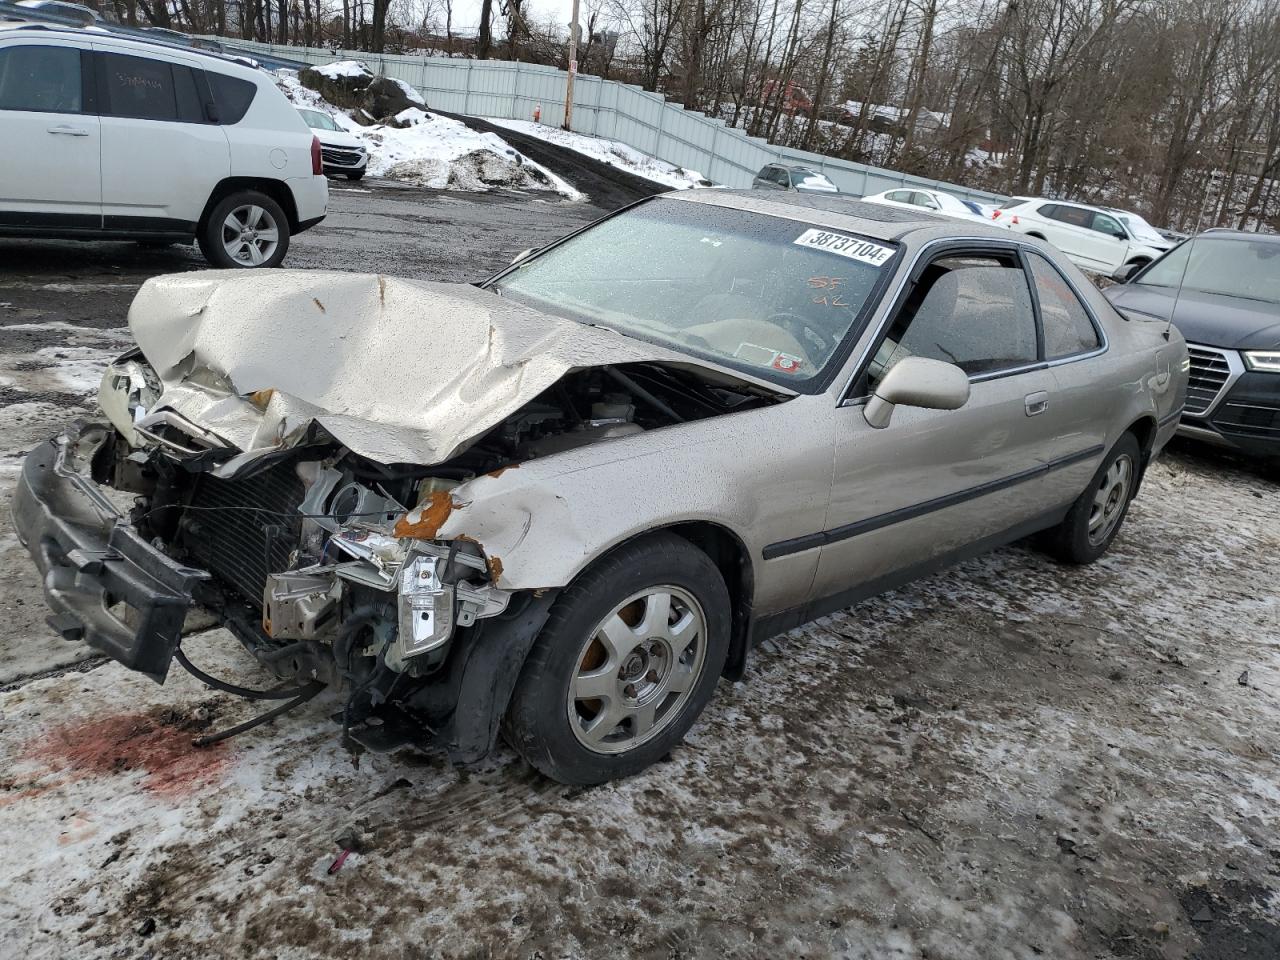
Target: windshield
1249, 269
761, 294
808, 180
317, 120
1140, 229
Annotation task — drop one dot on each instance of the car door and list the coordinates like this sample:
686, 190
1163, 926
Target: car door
161, 156
1079, 407
50, 160
935, 484
1108, 243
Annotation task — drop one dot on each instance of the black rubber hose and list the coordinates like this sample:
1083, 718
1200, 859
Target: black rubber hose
309, 691
642, 393
216, 684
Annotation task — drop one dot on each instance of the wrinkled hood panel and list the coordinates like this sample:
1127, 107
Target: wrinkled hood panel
399, 371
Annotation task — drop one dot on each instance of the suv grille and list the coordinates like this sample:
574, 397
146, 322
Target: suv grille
1209, 373
339, 157
238, 546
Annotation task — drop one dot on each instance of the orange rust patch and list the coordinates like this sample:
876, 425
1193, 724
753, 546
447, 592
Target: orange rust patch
260, 398
382, 290
424, 521
154, 742
501, 470
495, 568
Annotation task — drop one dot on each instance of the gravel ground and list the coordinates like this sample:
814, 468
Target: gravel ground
1013, 759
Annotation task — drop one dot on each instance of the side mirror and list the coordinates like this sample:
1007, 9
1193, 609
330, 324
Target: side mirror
524, 254
917, 382
1126, 272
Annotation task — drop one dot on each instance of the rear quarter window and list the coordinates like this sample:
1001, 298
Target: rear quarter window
232, 96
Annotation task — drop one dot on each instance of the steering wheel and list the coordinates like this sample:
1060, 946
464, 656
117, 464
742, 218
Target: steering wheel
802, 331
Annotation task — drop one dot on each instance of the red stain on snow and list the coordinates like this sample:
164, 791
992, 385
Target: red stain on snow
120, 744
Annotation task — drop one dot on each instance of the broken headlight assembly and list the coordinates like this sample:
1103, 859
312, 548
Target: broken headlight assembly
128, 391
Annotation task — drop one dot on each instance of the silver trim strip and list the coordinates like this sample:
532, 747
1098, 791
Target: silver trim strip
1235, 370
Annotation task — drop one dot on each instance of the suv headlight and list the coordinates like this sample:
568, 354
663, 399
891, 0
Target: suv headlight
1267, 361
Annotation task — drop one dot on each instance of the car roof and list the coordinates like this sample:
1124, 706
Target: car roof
100, 33
840, 211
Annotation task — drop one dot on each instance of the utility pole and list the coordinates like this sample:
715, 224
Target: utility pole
573, 68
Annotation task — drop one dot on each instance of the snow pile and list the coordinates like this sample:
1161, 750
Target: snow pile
612, 152
427, 149
344, 68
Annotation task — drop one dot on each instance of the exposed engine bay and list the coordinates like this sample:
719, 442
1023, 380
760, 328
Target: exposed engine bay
322, 561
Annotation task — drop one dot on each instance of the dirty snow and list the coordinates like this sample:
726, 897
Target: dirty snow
612, 152
431, 150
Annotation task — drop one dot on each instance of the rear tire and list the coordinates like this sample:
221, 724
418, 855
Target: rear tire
245, 230
630, 655
1095, 518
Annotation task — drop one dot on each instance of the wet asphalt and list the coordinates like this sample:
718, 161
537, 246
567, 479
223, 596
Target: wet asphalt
374, 226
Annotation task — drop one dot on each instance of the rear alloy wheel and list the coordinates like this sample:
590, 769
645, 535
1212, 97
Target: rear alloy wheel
629, 657
245, 230
1095, 518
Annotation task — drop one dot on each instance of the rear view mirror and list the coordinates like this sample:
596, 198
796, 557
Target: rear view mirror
917, 382
1125, 272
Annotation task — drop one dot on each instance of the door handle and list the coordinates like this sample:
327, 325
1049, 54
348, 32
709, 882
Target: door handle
1036, 403
69, 131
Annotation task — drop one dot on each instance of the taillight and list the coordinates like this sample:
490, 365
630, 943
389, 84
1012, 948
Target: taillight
996, 214
316, 168
1015, 218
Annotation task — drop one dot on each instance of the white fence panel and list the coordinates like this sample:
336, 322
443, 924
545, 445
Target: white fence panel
606, 108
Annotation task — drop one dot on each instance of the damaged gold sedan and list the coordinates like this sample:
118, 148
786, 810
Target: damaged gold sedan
563, 503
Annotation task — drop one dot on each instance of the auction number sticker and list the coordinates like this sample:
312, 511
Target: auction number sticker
855, 248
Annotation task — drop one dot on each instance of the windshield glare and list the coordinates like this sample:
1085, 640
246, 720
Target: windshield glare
761, 294
1233, 268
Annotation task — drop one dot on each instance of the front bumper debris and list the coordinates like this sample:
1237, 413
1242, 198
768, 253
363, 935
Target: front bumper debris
94, 564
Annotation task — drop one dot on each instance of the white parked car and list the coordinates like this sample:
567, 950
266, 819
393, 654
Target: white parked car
341, 153
934, 201
106, 137
1094, 238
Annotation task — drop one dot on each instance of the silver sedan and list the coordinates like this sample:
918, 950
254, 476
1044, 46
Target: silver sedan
563, 503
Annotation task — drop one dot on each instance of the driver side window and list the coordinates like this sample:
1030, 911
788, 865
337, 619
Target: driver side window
973, 311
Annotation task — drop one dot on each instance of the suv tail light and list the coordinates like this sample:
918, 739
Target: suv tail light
995, 214
316, 168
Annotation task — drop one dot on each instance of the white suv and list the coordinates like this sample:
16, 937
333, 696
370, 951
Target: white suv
110, 137
1093, 238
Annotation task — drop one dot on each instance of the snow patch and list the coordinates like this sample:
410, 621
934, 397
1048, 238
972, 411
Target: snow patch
430, 150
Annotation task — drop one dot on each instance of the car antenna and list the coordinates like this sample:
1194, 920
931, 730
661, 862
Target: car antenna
1191, 248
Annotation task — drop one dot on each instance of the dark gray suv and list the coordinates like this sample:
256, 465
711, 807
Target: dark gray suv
1222, 291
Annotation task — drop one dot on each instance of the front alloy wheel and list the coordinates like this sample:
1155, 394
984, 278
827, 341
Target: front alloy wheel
629, 656
637, 669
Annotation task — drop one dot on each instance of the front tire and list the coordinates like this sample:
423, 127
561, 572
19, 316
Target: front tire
628, 659
359, 174
246, 229
1097, 515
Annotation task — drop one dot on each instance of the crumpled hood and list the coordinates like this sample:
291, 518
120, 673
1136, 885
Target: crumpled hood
399, 371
